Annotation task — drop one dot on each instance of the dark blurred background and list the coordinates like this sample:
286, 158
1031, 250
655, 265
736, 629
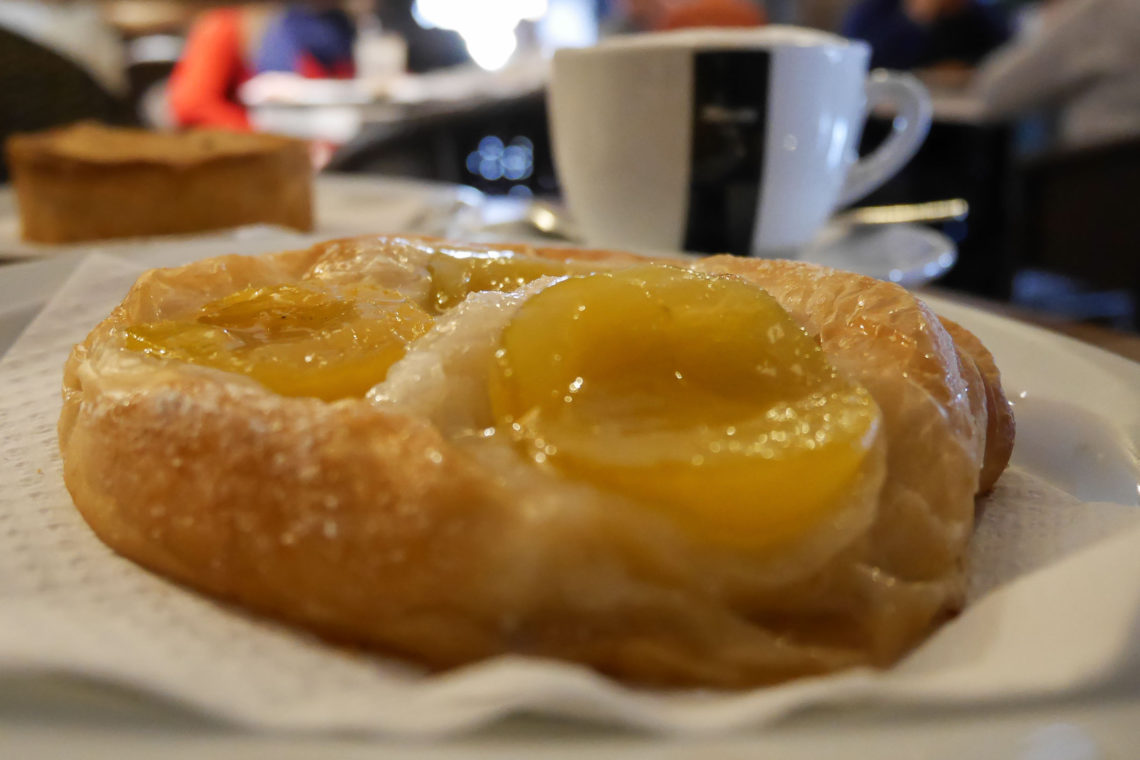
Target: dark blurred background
1037, 103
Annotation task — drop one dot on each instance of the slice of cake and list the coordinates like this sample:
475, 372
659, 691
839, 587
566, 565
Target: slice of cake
91, 182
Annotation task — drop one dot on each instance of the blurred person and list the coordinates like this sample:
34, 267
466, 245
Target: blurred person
314, 39
917, 34
711, 13
216, 61
660, 15
1082, 58
228, 46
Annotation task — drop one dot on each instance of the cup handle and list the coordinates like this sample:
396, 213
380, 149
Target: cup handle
911, 124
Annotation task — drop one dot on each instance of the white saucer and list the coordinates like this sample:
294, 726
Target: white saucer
908, 254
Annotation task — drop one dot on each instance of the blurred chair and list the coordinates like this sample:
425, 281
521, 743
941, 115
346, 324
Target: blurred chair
1077, 217
40, 89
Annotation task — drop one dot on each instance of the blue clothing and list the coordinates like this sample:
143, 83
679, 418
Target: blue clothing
897, 42
308, 42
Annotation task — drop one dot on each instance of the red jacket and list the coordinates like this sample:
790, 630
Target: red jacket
203, 87
712, 13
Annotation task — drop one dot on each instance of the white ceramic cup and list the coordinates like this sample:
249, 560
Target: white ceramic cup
720, 140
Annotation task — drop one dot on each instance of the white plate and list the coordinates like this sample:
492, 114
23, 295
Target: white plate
1079, 426
1077, 407
344, 204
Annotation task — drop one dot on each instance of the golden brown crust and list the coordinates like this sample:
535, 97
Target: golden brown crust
370, 525
1000, 426
92, 145
88, 182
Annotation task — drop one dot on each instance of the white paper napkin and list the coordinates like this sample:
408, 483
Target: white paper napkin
1055, 609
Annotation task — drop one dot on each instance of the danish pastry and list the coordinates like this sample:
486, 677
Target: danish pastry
92, 182
722, 472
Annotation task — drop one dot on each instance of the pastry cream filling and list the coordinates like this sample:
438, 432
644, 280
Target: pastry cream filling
693, 393
296, 340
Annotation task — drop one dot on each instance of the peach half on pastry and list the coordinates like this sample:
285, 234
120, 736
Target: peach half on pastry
719, 472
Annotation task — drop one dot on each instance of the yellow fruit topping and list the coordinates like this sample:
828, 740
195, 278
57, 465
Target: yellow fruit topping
696, 394
455, 275
294, 339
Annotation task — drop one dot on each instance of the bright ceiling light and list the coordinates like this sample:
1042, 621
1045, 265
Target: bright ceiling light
488, 29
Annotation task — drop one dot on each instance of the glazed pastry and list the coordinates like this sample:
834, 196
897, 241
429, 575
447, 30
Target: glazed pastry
725, 472
92, 182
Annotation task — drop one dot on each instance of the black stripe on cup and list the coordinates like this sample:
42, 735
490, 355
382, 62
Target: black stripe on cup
730, 116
